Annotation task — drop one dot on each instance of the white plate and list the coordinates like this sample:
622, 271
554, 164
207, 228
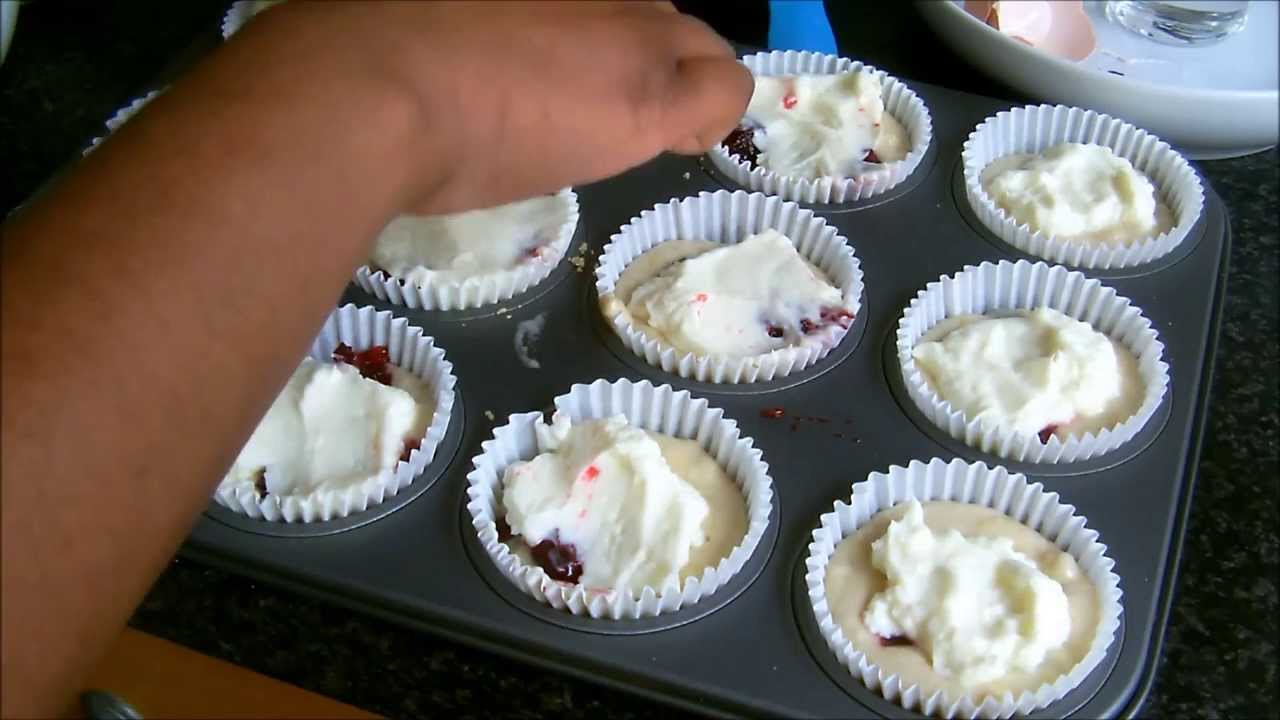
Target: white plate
1212, 101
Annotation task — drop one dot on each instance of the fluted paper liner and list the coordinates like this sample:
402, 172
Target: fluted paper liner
1024, 285
121, 117
1035, 128
899, 101
238, 14
477, 290
728, 218
410, 349
976, 484
659, 409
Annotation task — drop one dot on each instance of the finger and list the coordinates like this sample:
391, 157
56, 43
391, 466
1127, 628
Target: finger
690, 37
706, 100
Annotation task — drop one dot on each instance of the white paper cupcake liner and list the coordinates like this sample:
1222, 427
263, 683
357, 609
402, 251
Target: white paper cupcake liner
410, 349
1023, 285
658, 409
995, 488
121, 116
1035, 128
899, 101
240, 12
728, 218
477, 290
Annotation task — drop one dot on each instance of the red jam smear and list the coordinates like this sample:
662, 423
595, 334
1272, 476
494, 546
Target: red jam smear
839, 316
773, 412
739, 143
504, 530
871, 157
895, 641
374, 363
1047, 432
559, 560
409, 446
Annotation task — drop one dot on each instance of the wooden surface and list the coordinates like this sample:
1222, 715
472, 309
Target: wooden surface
163, 680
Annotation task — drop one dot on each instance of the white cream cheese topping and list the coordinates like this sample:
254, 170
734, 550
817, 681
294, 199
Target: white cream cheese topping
605, 488
1036, 371
816, 126
330, 428
979, 609
748, 298
452, 248
1078, 191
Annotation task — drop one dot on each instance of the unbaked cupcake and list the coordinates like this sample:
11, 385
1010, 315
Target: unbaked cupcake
729, 287
1037, 372
575, 509
473, 258
1031, 362
1078, 192
634, 501
351, 428
824, 129
960, 590
1078, 187
749, 298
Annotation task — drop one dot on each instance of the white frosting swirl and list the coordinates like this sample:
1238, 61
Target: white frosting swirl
976, 606
1040, 370
604, 488
1077, 191
823, 125
743, 299
330, 428
455, 247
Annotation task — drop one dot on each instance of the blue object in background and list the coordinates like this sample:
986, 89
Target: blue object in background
800, 25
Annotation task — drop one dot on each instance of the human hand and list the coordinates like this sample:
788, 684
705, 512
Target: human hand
520, 98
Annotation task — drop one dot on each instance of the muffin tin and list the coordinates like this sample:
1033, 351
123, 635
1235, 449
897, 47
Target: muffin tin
753, 647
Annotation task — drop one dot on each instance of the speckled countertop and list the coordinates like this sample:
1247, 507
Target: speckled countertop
73, 64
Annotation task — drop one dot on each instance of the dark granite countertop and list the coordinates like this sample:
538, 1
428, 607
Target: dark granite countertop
73, 64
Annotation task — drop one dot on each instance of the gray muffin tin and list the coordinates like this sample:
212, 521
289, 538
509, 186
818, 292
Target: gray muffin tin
753, 648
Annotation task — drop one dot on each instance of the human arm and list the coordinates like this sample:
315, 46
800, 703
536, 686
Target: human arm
195, 253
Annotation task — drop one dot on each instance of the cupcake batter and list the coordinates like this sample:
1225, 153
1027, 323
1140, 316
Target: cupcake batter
1039, 371
1064, 596
452, 248
812, 126
745, 299
612, 506
330, 428
1078, 192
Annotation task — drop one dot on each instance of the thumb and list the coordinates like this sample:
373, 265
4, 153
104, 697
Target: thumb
707, 98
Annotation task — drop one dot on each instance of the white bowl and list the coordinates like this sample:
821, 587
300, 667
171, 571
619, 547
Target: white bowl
1216, 101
